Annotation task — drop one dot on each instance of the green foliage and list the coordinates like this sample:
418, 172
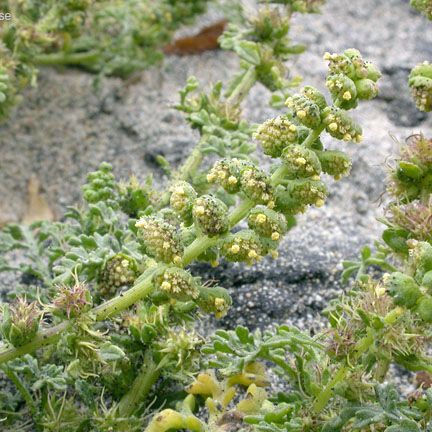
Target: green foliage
102, 36
423, 6
112, 337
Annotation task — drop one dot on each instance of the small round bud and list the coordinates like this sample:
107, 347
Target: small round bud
275, 134
256, 185
315, 96
226, 173
267, 223
182, 198
297, 194
160, 239
420, 82
343, 90
214, 300
243, 246
119, 270
340, 125
424, 309
366, 89
334, 163
403, 289
210, 214
301, 161
20, 322
307, 112
177, 283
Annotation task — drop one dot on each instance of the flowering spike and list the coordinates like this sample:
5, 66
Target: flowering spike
267, 223
119, 270
301, 162
306, 111
210, 215
420, 82
182, 198
275, 134
160, 239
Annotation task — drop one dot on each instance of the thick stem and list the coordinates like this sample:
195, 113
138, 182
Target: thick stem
313, 136
240, 212
197, 247
141, 387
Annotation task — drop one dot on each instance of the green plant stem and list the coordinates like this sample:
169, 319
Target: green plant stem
100, 313
313, 136
325, 395
243, 87
144, 286
21, 388
141, 387
201, 244
59, 59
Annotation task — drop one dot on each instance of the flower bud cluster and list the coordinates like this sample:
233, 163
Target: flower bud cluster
134, 198
243, 246
160, 239
235, 175
227, 173
351, 78
298, 194
420, 82
275, 134
301, 161
340, 125
210, 215
177, 283
182, 198
334, 163
20, 322
119, 270
267, 223
256, 185
72, 301
214, 300
306, 111
100, 184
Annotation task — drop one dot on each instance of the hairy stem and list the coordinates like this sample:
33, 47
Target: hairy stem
141, 387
